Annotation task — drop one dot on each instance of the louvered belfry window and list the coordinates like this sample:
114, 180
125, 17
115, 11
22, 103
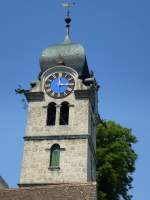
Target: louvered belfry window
64, 114
51, 114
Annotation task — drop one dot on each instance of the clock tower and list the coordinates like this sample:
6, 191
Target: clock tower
60, 138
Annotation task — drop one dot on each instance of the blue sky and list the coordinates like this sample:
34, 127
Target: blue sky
115, 34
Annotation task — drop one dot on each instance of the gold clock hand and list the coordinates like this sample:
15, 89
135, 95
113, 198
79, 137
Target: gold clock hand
59, 81
66, 84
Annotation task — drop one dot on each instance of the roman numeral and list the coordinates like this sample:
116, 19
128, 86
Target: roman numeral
53, 93
69, 89
65, 75
48, 90
70, 79
47, 85
58, 94
61, 95
60, 74
54, 75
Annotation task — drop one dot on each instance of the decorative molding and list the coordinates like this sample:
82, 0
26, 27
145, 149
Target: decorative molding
73, 184
56, 137
34, 96
33, 184
83, 94
61, 149
54, 168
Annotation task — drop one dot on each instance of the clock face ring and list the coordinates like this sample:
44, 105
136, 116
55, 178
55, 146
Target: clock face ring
59, 84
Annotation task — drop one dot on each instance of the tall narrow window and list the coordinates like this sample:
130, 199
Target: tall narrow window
55, 156
64, 113
51, 114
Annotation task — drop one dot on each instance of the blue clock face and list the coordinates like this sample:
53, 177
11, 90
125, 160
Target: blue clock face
59, 84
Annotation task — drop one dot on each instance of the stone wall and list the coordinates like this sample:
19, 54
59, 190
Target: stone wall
77, 160
91, 166
73, 162
78, 118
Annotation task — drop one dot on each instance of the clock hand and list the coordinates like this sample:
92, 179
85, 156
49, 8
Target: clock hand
66, 84
59, 81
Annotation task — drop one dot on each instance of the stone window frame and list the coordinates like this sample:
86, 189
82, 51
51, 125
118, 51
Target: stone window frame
50, 150
52, 166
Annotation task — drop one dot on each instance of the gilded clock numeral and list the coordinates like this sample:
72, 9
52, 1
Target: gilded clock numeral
70, 79
60, 74
54, 75
65, 75
69, 89
57, 75
52, 94
58, 94
47, 89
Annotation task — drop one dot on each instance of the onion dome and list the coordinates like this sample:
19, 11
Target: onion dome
69, 53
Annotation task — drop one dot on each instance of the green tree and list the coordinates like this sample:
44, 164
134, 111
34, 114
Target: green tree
115, 161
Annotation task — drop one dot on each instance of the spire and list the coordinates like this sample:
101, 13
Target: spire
67, 6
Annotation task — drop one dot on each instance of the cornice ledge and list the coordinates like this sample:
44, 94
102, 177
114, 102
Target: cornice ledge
34, 96
56, 137
83, 94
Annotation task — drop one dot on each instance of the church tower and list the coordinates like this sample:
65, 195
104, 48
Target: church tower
60, 139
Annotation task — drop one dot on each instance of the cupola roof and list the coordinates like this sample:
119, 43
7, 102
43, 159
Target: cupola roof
69, 53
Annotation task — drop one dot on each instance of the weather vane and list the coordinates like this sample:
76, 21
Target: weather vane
68, 5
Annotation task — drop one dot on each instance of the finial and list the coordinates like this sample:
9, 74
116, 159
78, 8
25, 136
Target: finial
67, 6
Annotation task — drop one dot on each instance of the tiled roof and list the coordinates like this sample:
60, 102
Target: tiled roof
52, 192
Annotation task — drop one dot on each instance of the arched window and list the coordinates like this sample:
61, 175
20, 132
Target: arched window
55, 156
64, 113
51, 114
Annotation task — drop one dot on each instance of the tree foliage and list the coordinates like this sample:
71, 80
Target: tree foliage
115, 161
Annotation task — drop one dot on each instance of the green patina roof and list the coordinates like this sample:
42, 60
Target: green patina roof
71, 54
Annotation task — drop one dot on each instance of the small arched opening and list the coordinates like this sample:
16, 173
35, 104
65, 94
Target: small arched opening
51, 114
64, 114
55, 156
